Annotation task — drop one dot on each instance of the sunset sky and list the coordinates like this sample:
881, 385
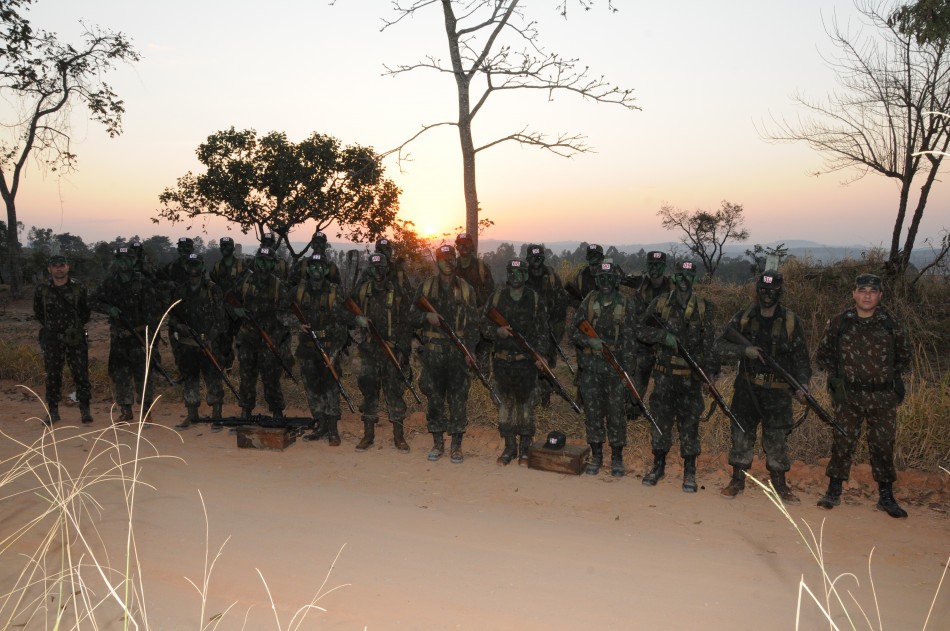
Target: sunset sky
705, 74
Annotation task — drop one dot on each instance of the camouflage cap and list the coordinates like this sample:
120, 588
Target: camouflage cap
464, 237
266, 253
194, 260
867, 280
319, 236
378, 259
770, 279
687, 267
607, 267
595, 250
57, 259
655, 256
445, 252
226, 241
123, 252
555, 440
534, 249
185, 241
268, 238
519, 264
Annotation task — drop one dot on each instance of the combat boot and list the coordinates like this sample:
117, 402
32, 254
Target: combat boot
782, 489
369, 435
617, 469
736, 485
832, 496
455, 449
886, 501
53, 413
526, 441
277, 413
333, 433
399, 437
596, 460
126, 413
216, 417
191, 417
247, 413
85, 415
658, 471
319, 430
689, 474
438, 446
510, 452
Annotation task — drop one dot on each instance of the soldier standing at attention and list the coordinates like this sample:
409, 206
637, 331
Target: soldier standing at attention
202, 311
318, 245
654, 284
677, 395
445, 378
546, 282
513, 370
133, 305
227, 273
269, 241
865, 352
614, 320
760, 395
61, 307
386, 306
583, 282
321, 304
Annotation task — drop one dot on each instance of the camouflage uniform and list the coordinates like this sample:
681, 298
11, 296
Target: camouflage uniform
265, 302
131, 302
202, 309
385, 306
614, 320
473, 270
760, 395
227, 273
63, 312
172, 276
647, 292
281, 269
445, 376
545, 281
318, 243
514, 374
396, 269
583, 282
677, 395
321, 304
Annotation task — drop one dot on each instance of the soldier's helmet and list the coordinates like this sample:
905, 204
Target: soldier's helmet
535, 253
445, 253
385, 246
595, 254
185, 245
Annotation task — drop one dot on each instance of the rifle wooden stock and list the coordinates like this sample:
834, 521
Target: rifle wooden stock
695, 367
354, 308
735, 336
495, 316
587, 329
424, 304
327, 361
268, 341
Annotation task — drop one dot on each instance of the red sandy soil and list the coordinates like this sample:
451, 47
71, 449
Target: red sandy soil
474, 546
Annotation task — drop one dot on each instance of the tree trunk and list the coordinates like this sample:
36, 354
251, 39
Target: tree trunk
13, 248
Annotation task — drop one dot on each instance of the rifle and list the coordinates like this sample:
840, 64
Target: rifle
560, 352
125, 324
701, 373
214, 361
495, 316
424, 304
327, 360
587, 329
573, 291
734, 336
354, 308
297, 423
268, 341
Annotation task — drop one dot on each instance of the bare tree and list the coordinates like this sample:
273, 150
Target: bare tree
493, 47
705, 232
41, 77
880, 121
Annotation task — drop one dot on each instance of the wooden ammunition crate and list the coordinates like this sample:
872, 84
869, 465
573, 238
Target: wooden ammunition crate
571, 459
270, 438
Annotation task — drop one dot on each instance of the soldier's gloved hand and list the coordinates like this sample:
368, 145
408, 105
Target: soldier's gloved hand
240, 312
670, 340
753, 352
595, 343
361, 321
114, 312
800, 396
432, 318
900, 389
502, 333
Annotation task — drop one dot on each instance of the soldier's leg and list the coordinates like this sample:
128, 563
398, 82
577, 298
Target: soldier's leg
393, 389
369, 383
271, 373
54, 355
688, 411
616, 417
458, 383
248, 357
743, 443
842, 451
189, 369
430, 383
882, 433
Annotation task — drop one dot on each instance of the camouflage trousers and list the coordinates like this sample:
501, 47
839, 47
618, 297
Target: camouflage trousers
193, 365
604, 400
55, 355
676, 399
378, 373
323, 395
517, 385
772, 407
882, 432
257, 359
445, 381
127, 369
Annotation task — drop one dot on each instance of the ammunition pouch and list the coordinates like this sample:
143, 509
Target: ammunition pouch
74, 336
838, 391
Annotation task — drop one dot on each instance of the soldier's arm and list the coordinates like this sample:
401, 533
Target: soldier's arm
38, 311
649, 331
729, 351
710, 361
825, 355
800, 360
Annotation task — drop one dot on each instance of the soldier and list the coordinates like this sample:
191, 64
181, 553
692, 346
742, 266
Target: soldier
383, 304
321, 303
173, 275
133, 305
655, 283
445, 377
281, 271
263, 302
396, 267
227, 273
61, 307
142, 263
612, 317
865, 352
514, 371
546, 282
318, 245
760, 395
583, 282
200, 312
677, 395
473, 270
